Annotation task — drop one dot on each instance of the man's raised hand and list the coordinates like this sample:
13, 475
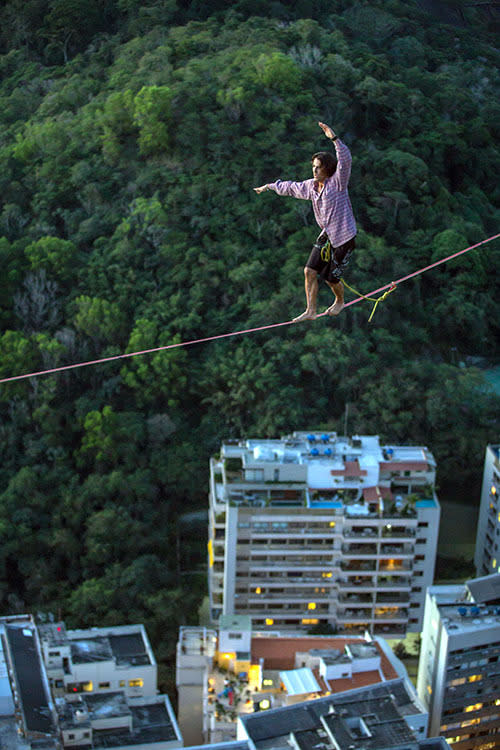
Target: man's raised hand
327, 130
261, 189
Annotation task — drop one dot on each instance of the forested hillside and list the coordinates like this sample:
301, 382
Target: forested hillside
132, 136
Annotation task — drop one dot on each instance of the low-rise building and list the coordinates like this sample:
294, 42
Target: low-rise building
55, 705
231, 672
379, 717
459, 669
98, 660
321, 529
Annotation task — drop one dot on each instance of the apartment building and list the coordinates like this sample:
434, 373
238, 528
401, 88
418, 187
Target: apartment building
321, 529
53, 706
229, 672
487, 553
459, 668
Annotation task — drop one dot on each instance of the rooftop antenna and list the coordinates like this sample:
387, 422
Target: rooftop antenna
346, 415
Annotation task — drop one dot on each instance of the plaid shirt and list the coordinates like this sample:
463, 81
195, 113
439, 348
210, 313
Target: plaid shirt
332, 207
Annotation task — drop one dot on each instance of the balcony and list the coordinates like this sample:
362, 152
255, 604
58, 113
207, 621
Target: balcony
390, 613
288, 564
396, 549
393, 598
359, 582
394, 566
299, 596
354, 566
355, 615
355, 600
351, 550
398, 532
367, 532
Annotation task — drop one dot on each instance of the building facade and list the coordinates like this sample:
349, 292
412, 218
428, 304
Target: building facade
459, 668
487, 554
320, 529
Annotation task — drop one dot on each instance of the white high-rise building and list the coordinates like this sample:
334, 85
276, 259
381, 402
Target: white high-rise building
487, 554
320, 529
459, 669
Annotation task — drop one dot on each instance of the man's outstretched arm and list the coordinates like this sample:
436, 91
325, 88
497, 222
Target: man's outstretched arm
288, 187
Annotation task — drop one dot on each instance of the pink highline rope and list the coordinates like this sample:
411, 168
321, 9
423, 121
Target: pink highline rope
392, 284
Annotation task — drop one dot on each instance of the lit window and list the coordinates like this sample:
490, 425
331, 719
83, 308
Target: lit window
104, 685
473, 707
326, 575
311, 605
258, 590
267, 682
269, 621
475, 677
265, 704
309, 621
470, 722
332, 524
122, 683
493, 489
429, 689
494, 563
138, 682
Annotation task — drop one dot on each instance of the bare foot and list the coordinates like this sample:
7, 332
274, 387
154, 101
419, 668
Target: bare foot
307, 315
336, 308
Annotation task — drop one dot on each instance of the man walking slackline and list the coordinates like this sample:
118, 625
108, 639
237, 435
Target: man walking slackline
327, 190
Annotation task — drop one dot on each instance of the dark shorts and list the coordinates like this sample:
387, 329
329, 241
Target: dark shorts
330, 262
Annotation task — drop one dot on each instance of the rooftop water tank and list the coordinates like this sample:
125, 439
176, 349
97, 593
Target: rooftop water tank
314, 452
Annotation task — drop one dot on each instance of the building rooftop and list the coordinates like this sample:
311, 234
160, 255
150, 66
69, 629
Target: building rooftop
486, 589
125, 645
471, 607
366, 719
152, 721
33, 688
280, 654
332, 467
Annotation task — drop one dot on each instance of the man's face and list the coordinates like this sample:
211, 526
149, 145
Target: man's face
319, 172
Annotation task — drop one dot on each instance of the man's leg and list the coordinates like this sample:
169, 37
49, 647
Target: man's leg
340, 261
311, 287
338, 290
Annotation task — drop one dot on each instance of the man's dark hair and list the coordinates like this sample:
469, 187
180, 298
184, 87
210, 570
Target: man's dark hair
327, 160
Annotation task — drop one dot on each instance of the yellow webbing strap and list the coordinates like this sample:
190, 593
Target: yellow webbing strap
376, 300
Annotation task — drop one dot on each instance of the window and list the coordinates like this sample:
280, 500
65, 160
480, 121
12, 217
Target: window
138, 682
235, 636
122, 683
54, 653
104, 685
80, 687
